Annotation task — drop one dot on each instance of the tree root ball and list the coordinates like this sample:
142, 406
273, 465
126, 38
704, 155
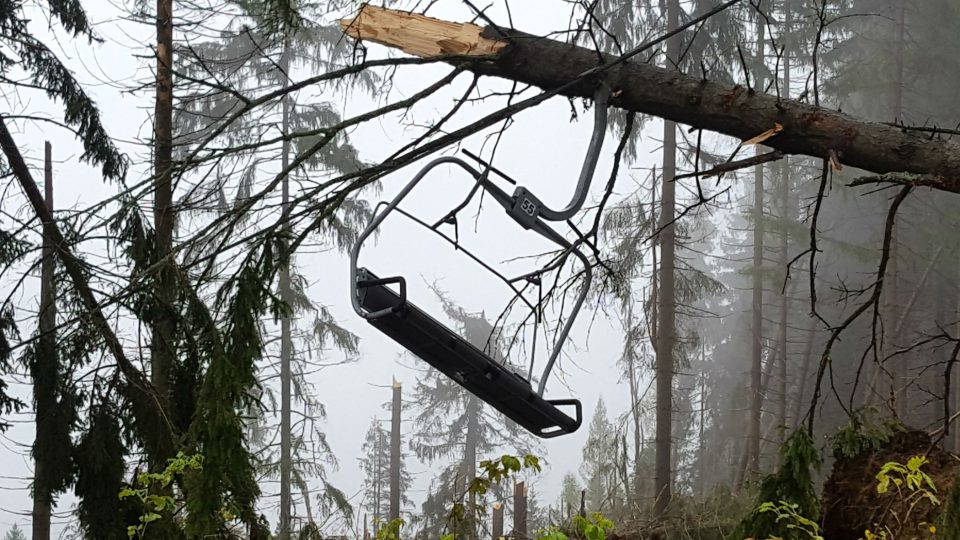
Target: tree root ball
852, 505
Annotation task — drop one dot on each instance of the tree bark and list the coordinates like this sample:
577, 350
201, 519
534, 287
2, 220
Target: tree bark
635, 415
785, 218
497, 521
643, 88
286, 339
163, 340
395, 453
625, 471
804, 371
47, 363
701, 444
955, 383
667, 325
782, 329
756, 341
471, 441
378, 483
520, 511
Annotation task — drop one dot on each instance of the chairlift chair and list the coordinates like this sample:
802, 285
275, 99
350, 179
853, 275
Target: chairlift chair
391, 312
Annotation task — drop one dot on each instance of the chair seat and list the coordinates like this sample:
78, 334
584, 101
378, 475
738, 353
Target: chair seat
461, 361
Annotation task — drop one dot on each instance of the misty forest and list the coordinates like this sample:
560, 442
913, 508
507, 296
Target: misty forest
462, 269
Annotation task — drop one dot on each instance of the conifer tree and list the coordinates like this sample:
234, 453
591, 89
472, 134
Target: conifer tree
263, 51
598, 469
453, 424
375, 465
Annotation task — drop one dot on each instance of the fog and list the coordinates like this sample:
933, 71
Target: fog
807, 293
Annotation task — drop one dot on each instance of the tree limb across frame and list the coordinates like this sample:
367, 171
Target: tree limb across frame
647, 89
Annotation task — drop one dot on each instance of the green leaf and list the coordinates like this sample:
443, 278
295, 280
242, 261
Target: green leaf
458, 512
914, 463
510, 463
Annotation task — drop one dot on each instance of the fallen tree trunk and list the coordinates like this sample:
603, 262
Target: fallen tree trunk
644, 88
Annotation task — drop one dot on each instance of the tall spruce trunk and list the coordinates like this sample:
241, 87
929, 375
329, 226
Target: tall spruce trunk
163, 346
625, 472
471, 441
701, 444
667, 311
955, 383
286, 295
46, 368
800, 398
163, 353
891, 297
752, 463
637, 439
378, 482
395, 452
785, 216
756, 341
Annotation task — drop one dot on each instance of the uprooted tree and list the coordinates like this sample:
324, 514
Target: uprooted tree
913, 157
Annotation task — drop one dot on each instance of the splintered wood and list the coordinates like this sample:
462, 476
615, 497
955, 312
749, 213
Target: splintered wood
419, 35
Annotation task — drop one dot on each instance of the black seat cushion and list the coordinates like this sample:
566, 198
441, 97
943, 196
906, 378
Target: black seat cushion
458, 359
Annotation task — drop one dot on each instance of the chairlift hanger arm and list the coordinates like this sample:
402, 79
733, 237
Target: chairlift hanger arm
600, 98
528, 208
444, 349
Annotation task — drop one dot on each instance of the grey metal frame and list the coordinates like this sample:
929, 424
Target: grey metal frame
524, 208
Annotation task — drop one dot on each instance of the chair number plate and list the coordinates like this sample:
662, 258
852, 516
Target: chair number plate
529, 207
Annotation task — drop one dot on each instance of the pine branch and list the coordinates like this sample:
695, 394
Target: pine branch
139, 389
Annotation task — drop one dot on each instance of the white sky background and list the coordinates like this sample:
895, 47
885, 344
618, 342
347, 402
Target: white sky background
543, 150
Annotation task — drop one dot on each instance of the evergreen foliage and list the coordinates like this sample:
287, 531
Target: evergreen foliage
599, 463
863, 435
570, 494
375, 466
791, 484
220, 406
47, 73
99, 458
948, 526
15, 534
257, 53
8, 331
453, 424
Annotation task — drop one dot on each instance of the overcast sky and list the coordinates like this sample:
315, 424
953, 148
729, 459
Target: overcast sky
543, 150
